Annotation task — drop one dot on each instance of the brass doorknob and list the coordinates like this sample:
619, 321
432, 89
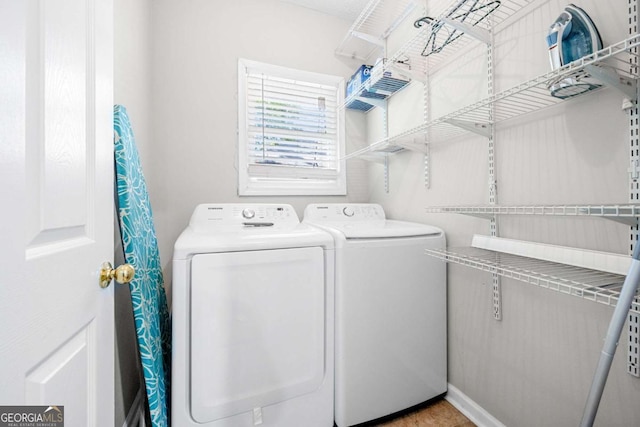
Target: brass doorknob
123, 274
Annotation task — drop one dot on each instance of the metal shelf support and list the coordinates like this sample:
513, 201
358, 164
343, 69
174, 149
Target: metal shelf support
386, 173
368, 38
427, 166
627, 87
482, 129
426, 114
476, 32
633, 323
385, 124
493, 186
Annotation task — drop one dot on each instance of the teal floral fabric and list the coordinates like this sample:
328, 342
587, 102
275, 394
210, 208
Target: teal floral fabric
151, 314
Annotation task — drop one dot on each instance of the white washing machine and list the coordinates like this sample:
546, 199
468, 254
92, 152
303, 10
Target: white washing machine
391, 344
253, 302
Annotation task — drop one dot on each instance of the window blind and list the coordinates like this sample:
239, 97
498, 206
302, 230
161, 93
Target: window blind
291, 127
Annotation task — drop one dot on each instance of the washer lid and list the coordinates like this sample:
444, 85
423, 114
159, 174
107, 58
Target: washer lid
380, 229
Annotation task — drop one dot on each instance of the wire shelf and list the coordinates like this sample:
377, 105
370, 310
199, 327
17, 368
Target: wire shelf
438, 41
379, 18
627, 214
522, 99
376, 21
592, 285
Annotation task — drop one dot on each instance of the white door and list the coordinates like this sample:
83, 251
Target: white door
56, 206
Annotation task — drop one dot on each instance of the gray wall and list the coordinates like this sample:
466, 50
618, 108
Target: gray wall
535, 366
132, 85
196, 46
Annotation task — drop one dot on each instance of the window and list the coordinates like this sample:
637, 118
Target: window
291, 131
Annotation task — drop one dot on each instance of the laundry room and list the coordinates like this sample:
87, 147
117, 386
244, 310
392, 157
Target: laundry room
531, 364
453, 223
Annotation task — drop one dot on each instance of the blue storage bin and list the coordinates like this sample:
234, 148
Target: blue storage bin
361, 86
361, 75
354, 84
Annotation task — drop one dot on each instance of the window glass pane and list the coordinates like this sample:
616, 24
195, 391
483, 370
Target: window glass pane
290, 121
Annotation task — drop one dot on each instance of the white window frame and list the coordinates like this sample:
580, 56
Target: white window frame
266, 180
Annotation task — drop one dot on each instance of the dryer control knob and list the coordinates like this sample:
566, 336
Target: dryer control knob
348, 211
248, 213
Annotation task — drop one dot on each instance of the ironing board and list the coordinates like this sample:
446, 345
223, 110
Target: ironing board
151, 314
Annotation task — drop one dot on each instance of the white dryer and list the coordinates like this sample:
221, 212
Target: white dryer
253, 293
391, 343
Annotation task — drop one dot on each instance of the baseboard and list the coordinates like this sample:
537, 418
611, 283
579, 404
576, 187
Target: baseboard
470, 409
135, 417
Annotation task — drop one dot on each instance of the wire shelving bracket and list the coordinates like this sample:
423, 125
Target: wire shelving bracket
496, 288
633, 113
482, 129
477, 33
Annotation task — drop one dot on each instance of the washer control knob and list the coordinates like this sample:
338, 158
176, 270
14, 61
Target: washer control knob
348, 211
248, 213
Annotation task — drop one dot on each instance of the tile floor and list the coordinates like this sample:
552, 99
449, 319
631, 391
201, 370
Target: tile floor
440, 413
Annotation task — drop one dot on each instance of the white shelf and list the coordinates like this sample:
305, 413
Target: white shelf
626, 214
434, 35
366, 41
377, 20
525, 98
592, 285
367, 34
